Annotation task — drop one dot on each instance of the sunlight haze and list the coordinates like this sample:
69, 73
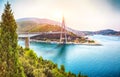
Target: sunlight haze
81, 15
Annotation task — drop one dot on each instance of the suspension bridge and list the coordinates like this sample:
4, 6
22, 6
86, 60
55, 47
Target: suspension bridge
28, 35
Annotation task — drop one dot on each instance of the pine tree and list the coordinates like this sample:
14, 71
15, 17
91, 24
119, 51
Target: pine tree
9, 62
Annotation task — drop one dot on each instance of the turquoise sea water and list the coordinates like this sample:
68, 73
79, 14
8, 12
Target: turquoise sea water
94, 61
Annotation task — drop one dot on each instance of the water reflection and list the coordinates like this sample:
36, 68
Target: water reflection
54, 52
94, 61
61, 53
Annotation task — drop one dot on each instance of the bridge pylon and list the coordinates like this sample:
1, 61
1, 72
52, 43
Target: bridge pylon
63, 36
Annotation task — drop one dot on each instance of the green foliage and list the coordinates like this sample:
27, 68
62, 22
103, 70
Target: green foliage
91, 41
32, 27
35, 66
62, 68
9, 63
18, 62
38, 27
57, 73
31, 54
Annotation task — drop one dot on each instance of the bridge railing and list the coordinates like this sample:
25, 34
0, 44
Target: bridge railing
39, 32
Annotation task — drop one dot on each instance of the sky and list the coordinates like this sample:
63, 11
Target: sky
84, 15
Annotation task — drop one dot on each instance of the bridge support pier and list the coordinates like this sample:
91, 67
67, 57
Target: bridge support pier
27, 43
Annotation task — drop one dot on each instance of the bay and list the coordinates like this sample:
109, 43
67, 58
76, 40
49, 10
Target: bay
94, 61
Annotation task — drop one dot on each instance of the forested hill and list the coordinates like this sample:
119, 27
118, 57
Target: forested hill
37, 25
47, 25
41, 25
39, 28
18, 62
102, 32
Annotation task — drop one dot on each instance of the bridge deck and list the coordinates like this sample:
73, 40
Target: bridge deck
26, 34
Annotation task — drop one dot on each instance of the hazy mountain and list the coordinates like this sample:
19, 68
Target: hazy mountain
102, 32
36, 25
41, 25
38, 21
107, 32
45, 25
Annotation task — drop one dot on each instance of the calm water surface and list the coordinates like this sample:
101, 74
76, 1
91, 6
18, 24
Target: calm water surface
94, 61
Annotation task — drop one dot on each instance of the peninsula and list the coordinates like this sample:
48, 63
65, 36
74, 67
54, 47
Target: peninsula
49, 31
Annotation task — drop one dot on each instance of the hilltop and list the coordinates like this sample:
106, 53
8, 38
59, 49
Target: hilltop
46, 25
102, 32
42, 25
37, 25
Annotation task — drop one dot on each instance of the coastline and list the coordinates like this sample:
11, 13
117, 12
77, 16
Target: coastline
67, 43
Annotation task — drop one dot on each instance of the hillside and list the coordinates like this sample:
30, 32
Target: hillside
39, 28
36, 25
41, 25
35, 66
102, 32
46, 25
107, 32
38, 21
